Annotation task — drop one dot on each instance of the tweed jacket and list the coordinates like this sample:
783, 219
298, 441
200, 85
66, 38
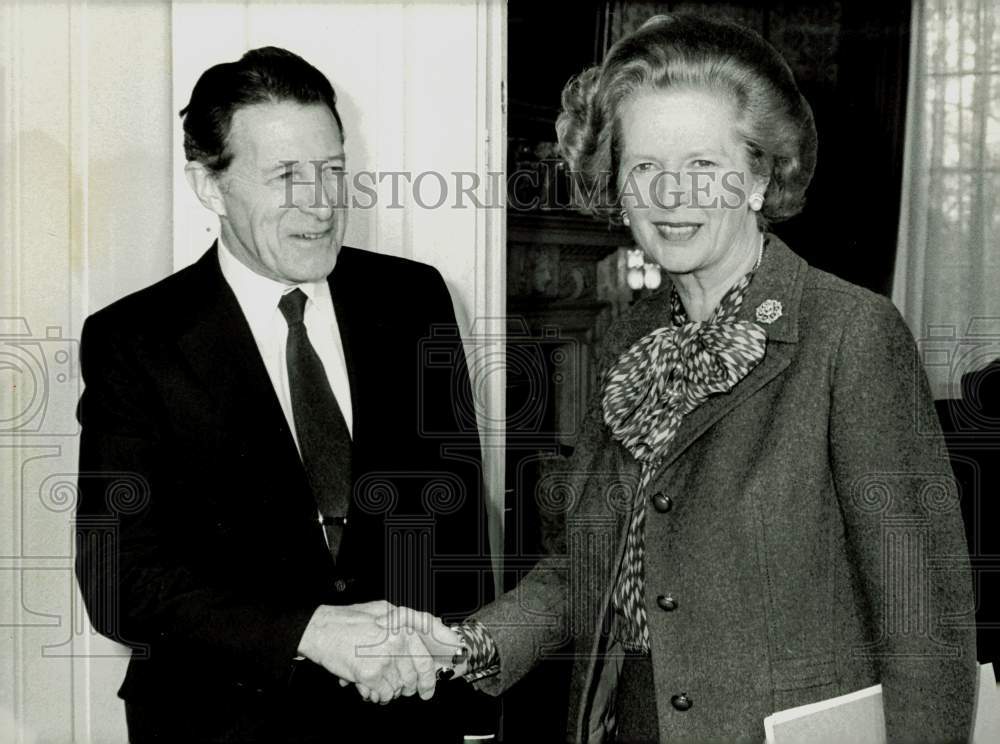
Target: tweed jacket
806, 527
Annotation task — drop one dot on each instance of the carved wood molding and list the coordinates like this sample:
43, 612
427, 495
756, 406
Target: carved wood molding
574, 231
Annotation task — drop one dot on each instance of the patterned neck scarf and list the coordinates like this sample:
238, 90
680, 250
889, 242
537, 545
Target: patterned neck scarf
661, 378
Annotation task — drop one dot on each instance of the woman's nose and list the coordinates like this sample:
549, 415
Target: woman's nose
670, 190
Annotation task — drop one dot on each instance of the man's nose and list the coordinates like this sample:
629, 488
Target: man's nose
319, 195
319, 206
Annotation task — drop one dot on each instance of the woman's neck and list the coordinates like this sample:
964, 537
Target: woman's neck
701, 291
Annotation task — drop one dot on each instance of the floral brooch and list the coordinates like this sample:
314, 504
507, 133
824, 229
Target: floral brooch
768, 311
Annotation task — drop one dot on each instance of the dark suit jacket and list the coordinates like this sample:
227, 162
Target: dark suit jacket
198, 543
813, 544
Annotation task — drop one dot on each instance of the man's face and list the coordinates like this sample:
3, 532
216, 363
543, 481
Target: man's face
285, 222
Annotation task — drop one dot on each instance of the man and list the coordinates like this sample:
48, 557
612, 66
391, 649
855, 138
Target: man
268, 466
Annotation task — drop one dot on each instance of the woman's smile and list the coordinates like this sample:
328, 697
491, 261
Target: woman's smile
677, 232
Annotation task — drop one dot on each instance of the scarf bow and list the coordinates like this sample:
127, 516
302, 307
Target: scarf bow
672, 370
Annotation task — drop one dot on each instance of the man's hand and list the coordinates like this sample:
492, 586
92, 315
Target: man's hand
375, 646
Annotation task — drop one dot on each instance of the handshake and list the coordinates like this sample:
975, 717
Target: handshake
383, 650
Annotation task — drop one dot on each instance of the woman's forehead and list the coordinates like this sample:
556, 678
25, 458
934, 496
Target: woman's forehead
677, 119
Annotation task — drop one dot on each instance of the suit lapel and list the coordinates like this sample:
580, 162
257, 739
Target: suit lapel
216, 341
370, 336
350, 319
700, 420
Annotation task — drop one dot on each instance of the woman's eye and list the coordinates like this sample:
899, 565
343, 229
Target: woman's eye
702, 163
644, 167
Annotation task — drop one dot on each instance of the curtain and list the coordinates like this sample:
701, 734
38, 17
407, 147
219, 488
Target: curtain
947, 273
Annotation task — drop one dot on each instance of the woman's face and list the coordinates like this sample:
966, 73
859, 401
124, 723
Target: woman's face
684, 181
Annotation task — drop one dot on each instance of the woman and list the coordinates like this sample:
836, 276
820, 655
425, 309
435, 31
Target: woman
792, 533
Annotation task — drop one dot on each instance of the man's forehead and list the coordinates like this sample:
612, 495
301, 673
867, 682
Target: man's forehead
269, 133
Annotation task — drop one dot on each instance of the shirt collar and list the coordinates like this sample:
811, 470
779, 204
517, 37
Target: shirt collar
259, 295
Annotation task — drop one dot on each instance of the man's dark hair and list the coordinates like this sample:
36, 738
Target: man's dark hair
265, 75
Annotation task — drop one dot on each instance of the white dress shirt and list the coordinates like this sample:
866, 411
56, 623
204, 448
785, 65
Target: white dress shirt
258, 297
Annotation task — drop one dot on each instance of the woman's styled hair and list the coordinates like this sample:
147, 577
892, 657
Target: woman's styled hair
264, 75
690, 52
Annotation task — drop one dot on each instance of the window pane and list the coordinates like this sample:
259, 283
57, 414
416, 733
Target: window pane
991, 157
957, 31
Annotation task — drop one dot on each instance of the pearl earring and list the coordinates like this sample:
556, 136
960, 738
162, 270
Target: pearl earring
626, 220
756, 201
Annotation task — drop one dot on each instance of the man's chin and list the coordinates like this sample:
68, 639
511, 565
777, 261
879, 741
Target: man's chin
314, 268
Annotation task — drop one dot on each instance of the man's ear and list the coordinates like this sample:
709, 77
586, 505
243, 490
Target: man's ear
205, 186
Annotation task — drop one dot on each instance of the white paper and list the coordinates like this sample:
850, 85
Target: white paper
858, 717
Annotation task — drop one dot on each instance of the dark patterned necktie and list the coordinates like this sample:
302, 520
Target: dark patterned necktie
661, 378
324, 441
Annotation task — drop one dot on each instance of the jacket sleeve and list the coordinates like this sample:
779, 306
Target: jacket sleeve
140, 585
526, 621
903, 528
549, 606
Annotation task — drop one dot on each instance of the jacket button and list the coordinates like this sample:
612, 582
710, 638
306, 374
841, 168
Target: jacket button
340, 585
662, 503
667, 602
681, 702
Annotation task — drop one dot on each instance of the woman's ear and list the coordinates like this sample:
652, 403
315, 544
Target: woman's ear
755, 199
761, 183
205, 186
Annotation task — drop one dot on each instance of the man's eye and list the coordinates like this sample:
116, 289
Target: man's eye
644, 167
702, 163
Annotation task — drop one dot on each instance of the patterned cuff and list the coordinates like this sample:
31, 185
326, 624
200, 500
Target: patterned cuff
484, 658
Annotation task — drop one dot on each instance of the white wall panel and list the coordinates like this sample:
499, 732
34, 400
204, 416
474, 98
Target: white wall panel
86, 218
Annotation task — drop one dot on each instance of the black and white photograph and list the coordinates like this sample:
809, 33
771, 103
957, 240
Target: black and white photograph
459, 371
